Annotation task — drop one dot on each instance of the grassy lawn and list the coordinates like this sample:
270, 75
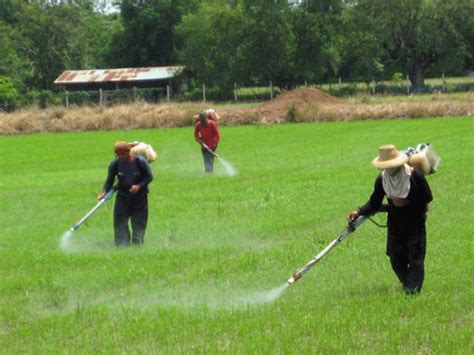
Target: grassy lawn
217, 246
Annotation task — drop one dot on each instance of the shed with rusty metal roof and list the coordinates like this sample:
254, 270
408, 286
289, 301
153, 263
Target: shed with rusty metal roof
118, 78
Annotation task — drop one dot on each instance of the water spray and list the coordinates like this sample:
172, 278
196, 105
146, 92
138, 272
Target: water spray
352, 226
229, 168
101, 202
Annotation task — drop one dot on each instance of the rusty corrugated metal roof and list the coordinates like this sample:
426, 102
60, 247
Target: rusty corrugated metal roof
117, 75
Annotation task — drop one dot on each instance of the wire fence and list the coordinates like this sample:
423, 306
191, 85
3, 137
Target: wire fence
203, 93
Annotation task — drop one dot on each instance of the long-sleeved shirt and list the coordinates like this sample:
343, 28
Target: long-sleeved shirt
416, 201
129, 172
208, 134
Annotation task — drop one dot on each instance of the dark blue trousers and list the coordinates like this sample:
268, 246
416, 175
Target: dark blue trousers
208, 160
133, 208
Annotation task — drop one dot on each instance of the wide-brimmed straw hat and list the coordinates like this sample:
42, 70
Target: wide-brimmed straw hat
389, 157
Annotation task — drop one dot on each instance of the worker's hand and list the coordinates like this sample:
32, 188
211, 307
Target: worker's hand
353, 215
101, 195
135, 188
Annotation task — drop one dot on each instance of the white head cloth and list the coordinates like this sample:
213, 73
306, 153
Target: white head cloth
397, 185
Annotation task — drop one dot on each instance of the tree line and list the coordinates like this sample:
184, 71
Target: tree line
249, 42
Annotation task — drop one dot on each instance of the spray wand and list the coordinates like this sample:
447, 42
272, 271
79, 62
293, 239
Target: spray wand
352, 226
101, 202
209, 150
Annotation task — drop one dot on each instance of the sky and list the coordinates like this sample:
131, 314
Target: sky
109, 7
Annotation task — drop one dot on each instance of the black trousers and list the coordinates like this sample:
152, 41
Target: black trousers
133, 207
208, 160
406, 247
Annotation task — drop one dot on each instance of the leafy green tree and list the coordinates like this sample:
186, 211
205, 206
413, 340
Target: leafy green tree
255, 42
10, 60
95, 38
361, 49
457, 22
417, 35
267, 48
8, 93
212, 41
316, 33
48, 33
14, 63
9, 11
148, 37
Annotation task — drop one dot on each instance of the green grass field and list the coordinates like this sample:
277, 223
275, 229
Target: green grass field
217, 246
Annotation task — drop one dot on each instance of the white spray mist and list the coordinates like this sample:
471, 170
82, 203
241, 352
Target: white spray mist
230, 170
65, 241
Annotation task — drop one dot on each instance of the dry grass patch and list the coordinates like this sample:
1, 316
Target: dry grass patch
299, 105
58, 119
348, 112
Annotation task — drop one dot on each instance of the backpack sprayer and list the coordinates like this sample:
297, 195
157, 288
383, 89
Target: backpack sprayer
423, 157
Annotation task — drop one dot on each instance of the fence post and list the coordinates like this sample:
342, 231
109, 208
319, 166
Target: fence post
373, 86
444, 84
271, 90
305, 83
235, 92
101, 97
340, 81
408, 85
167, 93
67, 99
204, 92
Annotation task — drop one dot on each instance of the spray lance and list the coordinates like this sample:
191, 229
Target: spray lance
101, 202
351, 227
209, 150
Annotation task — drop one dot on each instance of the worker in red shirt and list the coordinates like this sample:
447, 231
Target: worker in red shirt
207, 135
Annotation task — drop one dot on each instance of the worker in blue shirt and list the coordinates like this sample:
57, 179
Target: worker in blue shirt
131, 204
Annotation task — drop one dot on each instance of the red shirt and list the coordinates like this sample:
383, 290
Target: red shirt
209, 134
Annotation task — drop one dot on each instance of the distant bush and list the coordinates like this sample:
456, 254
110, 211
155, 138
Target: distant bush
397, 77
212, 94
8, 94
345, 90
40, 98
243, 94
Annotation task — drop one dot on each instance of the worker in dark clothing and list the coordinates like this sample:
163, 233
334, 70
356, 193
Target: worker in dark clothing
408, 195
207, 135
134, 175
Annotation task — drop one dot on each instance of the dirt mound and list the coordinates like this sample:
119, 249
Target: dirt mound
277, 109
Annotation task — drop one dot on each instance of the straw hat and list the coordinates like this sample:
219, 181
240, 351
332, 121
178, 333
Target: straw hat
389, 157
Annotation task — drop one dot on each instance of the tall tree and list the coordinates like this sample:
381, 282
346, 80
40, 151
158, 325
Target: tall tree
212, 41
148, 36
361, 49
416, 35
46, 32
316, 31
269, 42
11, 63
